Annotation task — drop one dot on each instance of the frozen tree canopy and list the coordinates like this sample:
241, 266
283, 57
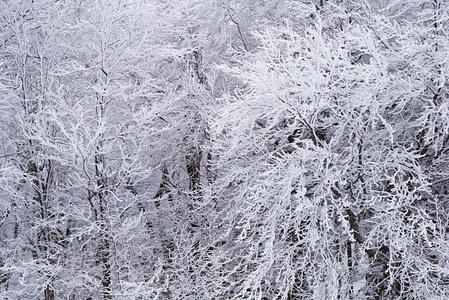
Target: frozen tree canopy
224, 149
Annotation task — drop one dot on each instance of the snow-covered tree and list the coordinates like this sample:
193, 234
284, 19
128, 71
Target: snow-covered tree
323, 181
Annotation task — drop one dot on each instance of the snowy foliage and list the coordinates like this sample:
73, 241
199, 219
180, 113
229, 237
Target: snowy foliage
237, 149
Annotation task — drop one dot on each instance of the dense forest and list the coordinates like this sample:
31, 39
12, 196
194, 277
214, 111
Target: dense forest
224, 149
